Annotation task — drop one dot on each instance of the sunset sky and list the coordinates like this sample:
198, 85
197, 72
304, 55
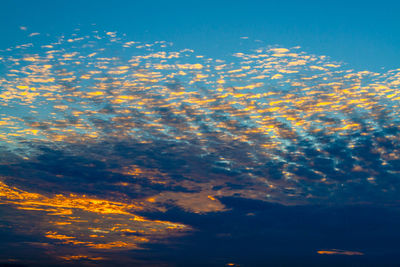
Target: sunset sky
175, 133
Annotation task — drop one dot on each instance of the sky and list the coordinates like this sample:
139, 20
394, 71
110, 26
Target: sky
363, 34
199, 134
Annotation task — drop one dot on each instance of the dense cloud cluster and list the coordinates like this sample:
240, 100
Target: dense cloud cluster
101, 118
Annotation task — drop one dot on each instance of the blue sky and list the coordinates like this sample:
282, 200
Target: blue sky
364, 34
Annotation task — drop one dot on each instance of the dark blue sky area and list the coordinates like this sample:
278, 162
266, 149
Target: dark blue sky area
364, 34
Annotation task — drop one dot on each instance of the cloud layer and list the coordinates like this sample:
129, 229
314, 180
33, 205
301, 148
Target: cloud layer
96, 128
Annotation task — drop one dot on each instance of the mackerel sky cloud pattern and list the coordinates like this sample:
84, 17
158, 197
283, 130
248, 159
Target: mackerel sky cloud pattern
100, 132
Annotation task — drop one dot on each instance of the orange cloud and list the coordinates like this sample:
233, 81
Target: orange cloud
339, 252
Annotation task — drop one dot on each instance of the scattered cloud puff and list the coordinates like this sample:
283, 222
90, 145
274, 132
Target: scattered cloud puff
34, 34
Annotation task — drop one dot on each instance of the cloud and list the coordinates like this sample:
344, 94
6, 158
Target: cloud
34, 34
88, 133
339, 252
